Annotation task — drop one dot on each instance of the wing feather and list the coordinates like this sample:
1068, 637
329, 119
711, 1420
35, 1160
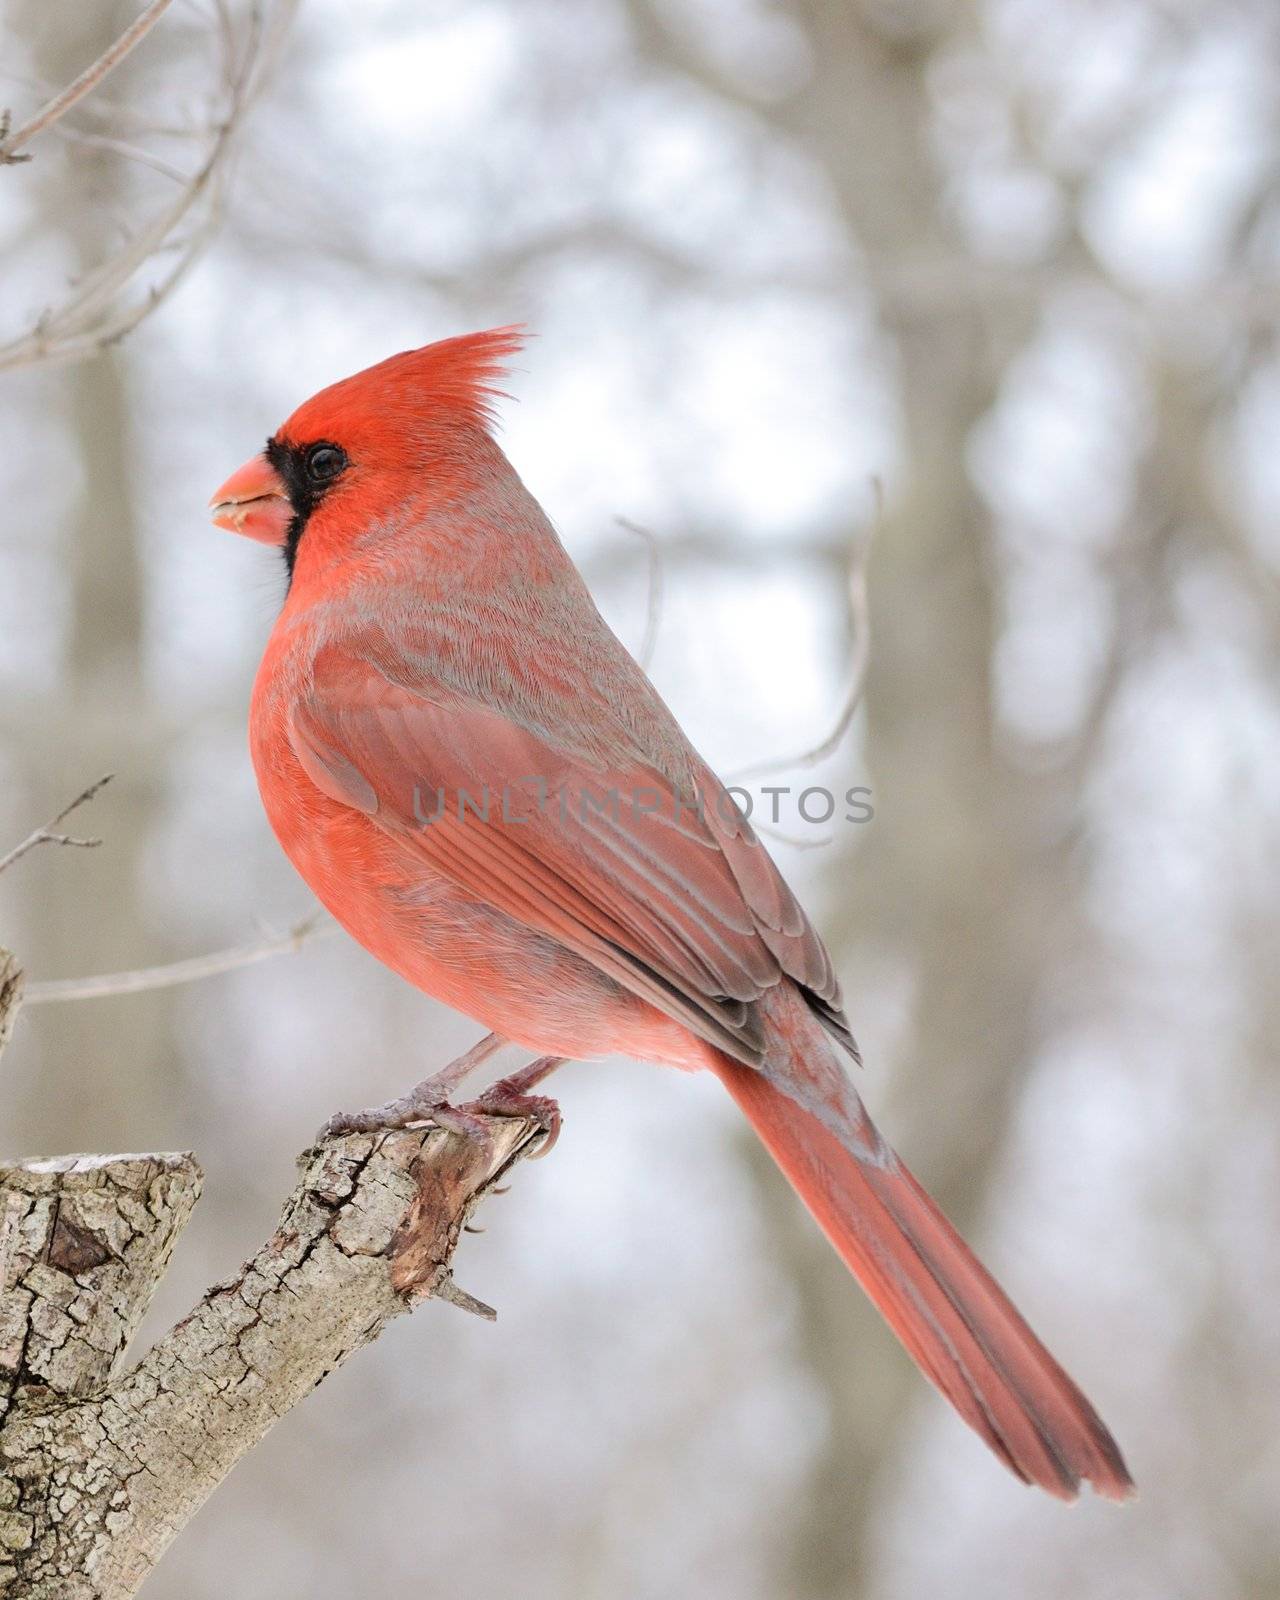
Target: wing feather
669, 893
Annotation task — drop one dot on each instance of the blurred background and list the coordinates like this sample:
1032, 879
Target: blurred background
1014, 260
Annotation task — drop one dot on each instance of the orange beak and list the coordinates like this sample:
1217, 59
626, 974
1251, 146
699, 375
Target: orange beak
254, 502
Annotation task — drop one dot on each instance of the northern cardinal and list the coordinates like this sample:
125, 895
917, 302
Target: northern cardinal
487, 792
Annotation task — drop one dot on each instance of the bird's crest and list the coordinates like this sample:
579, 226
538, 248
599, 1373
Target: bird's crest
454, 379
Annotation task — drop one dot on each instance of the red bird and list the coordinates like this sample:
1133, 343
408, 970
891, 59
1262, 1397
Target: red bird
487, 792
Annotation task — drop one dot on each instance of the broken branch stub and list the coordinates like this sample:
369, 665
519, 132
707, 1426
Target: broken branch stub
101, 1466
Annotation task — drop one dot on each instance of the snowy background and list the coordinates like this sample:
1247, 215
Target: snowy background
1015, 260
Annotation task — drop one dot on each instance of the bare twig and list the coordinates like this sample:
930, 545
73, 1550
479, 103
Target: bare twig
73, 333
795, 840
860, 626
316, 925
88, 80
45, 835
122, 147
653, 609
98, 313
448, 1290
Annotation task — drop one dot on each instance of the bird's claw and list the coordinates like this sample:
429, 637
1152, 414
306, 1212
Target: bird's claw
504, 1100
414, 1112
403, 1113
467, 1120
427, 1103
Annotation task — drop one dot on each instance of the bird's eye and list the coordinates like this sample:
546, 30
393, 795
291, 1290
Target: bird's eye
325, 462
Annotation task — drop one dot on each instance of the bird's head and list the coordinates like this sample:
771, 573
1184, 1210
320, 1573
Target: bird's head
356, 451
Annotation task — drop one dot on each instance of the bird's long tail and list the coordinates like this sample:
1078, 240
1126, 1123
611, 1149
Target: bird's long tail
952, 1316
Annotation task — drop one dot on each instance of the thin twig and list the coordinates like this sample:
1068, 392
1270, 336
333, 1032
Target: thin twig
795, 840
448, 1290
129, 152
653, 610
97, 314
57, 339
45, 835
315, 926
75, 329
88, 80
860, 655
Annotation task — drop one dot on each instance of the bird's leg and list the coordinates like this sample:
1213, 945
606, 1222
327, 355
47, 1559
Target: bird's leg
511, 1097
424, 1101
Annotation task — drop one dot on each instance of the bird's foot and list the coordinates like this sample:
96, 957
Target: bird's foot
423, 1106
510, 1097
422, 1101
428, 1103
419, 1106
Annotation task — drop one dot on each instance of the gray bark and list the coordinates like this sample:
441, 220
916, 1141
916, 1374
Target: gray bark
102, 1464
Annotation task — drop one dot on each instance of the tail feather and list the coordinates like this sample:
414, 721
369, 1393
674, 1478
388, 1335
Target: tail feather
947, 1309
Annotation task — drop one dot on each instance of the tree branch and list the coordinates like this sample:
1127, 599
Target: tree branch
102, 1467
45, 835
653, 606
88, 80
171, 973
100, 310
860, 657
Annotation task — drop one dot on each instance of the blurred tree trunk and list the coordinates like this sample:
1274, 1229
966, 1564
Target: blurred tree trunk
89, 912
953, 872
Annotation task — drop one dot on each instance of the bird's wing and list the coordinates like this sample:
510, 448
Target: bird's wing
670, 894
